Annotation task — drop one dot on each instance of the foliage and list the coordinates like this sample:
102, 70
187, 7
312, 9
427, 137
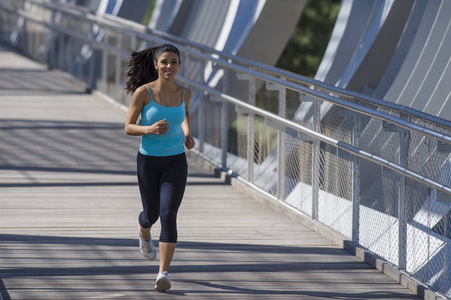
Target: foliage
308, 43
149, 13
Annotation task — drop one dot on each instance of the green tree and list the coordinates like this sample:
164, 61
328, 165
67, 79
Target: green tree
306, 48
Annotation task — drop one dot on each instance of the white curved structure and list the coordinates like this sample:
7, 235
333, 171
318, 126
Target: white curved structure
237, 27
401, 54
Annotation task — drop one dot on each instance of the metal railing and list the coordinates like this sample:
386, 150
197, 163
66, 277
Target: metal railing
376, 172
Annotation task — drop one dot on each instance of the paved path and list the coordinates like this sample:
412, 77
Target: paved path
69, 204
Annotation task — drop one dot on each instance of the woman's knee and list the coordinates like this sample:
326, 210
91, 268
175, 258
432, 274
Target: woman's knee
147, 220
168, 227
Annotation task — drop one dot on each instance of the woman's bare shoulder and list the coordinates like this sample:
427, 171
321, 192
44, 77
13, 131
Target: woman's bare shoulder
139, 91
141, 95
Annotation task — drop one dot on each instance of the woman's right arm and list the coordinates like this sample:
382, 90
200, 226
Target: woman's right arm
134, 110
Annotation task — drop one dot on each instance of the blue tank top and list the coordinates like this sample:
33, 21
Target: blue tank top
167, 144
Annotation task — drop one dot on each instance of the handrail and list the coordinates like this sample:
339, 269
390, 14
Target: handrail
71, 32
339, 144
297, 87
351, 106
294, 86
281, 72
274, 71
354, 107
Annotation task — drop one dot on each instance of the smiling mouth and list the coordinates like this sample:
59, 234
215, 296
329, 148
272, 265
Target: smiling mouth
168, 72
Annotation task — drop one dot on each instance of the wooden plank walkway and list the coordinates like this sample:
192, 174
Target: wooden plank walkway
69, 204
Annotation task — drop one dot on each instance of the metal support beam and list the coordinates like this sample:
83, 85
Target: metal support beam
225, 120
403, 150
250, 125
282, 93
354, 159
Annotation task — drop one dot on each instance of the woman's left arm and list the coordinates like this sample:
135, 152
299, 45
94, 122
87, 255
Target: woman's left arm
186, 125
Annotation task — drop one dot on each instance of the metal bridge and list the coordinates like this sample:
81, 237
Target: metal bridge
372, 175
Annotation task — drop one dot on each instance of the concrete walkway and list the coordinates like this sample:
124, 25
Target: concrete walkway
69, 204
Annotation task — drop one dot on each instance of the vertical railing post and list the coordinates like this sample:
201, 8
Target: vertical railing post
282, 94
61, 38
250, 124
403, 150
61, 51
53, 35
281, 145
201, 116
225, 120
315, 159
19, 36
201, 121
103, 75
91, 70
251, 132
355, 181
118, 68
402, 229
70, 52
91, 60
354, 172
309, 103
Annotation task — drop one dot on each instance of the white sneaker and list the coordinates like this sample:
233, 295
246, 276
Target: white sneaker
162, 283
147, 247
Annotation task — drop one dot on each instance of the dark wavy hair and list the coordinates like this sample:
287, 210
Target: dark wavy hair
141, 70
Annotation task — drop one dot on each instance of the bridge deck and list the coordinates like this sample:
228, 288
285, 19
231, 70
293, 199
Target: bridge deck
69, 204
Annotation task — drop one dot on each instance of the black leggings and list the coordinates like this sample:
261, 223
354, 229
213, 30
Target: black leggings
162, 182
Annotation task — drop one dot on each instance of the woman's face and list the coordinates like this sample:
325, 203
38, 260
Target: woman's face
167, 65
